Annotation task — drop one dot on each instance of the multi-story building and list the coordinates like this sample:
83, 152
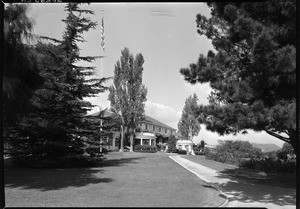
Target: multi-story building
151, 125
148, 129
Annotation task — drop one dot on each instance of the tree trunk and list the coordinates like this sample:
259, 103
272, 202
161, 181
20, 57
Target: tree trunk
293, 140
131, 140
122, 139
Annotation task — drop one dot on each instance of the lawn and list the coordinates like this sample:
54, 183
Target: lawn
123, 180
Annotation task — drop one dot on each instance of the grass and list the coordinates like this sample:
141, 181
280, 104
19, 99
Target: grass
123, 180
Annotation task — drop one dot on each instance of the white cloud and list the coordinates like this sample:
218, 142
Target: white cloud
163, 113
253, 137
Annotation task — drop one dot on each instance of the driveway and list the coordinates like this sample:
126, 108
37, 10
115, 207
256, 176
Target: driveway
123, 180
244, 187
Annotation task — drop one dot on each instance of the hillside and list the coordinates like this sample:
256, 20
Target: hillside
266, 147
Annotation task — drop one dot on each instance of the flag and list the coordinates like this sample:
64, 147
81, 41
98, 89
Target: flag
102, 36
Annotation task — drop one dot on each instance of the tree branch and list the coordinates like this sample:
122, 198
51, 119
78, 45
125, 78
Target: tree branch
222, 39
285, 139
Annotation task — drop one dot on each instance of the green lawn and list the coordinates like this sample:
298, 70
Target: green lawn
124, 180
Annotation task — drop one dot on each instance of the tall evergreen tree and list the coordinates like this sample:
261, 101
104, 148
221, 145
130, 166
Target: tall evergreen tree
128, 94
57, 126
20, 71
188, 125
253, 72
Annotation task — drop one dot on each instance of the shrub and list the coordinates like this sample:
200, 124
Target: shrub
282, 160
181, 151
172, 144
145, 147
271, 165
233, 152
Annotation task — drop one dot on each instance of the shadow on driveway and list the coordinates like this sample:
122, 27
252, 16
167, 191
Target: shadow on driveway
249, 186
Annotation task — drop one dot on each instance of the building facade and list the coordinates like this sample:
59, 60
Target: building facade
146, 133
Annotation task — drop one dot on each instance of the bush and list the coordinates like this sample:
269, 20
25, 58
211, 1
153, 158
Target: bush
233, 152
145, 148
181, 151
172, 144
271, 165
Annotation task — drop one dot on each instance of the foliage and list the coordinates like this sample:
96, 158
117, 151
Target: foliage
128, 94
172, 144
202, 144
253, 71
243, 154
20, 73
188, 125
145, 147
181, 151
271, 164
57, 127
233, 152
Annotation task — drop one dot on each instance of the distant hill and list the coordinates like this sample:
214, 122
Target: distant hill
266, 147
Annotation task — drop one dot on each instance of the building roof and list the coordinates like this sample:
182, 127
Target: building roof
148, 119
155, 122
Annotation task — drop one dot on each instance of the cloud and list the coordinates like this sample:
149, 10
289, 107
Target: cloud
212, 138
163, 113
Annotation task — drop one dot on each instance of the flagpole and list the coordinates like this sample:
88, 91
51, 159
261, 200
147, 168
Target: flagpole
101, 75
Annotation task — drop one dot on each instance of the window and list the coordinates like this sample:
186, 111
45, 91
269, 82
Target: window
146, 126
159, 129
153, 128
165, 131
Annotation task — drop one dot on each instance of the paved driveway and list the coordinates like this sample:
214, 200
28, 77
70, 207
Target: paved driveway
124, 180
244, 187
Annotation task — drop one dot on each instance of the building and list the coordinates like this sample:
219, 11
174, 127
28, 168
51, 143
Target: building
148, 130
154, 126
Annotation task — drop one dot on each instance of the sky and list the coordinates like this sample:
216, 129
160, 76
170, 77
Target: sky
165, 34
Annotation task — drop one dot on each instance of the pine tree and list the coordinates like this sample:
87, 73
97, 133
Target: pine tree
57, 127
188, 125
128, 94
253, 72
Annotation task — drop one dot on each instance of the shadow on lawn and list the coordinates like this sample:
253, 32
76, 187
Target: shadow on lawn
119, 161
51, 179
247, 186
54, 179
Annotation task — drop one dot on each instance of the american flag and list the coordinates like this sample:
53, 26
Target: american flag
102, 36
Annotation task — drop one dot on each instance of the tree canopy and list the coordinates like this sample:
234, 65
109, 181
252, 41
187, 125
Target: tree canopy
188, 125
252, 70
128, 93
